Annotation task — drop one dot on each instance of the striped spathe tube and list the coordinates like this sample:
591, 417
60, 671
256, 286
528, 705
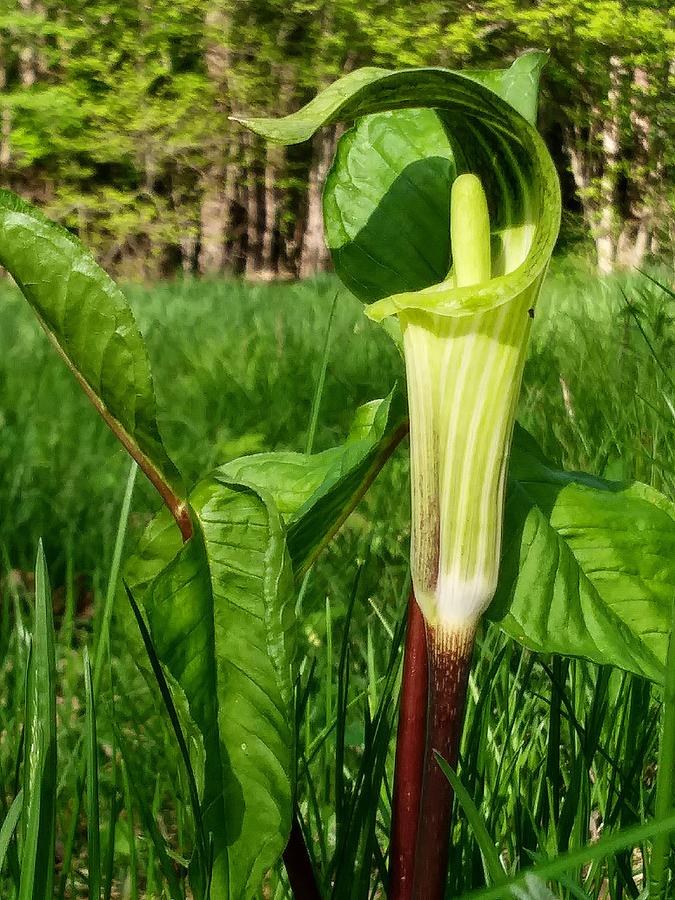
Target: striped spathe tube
464, 377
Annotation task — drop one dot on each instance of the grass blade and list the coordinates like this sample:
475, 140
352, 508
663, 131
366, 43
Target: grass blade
556, 868
490, 858
9, 826
104, 634
149, 823
93, 820
39, 761
318, 393
180, 738
102, 645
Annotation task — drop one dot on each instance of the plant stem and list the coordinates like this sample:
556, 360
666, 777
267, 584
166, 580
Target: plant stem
409, 769
449, 664
318, 393
299, 865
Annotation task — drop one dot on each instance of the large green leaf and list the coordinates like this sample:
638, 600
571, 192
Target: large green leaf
222, 603
90, 323
386, 200
221, 615
588, 565
316, 493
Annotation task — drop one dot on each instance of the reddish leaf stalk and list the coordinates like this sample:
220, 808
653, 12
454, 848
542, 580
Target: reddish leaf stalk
449, 665
176, 505
299, 866
409, 769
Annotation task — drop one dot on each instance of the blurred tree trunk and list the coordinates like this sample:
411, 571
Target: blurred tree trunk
254, 207
27, 53
218, 177
593, 147
273, 166
606, 234
636, 233
270, 193
617, 158
5, 113
217, 199
315, 256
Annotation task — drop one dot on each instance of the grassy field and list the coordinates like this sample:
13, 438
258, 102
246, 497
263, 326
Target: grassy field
235, 368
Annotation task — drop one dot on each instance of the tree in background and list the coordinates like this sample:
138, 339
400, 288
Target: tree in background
114, 116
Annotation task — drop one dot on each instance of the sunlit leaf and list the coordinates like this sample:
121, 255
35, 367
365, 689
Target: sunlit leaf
316, 493
588, 565
89, 321
221, 615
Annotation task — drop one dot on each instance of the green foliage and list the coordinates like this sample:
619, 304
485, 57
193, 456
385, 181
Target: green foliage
115, 116
512, 762
88, 320
220, 607
588, 566
315, 493
221, 619
38, 813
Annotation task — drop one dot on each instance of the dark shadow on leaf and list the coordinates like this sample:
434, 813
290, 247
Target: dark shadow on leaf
405, 243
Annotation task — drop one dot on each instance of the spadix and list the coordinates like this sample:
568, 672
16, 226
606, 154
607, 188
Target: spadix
464, 376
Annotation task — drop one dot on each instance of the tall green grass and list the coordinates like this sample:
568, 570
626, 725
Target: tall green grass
554, 753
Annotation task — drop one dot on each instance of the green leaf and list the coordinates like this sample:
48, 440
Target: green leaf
199, 876
133, 774
221, 617
518, 85
550, 870
386, 199
39, 761
491, 863
315, 494
588, 565
9, 824
90, 323
93, 811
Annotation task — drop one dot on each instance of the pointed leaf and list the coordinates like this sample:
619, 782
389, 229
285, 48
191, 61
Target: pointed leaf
9, 824
491, 862
315, 494
90, 323
588, 565
222, 621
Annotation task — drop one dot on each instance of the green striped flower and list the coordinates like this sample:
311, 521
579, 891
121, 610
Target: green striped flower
419, 138
464, 376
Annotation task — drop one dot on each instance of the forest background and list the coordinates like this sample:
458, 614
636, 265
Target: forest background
114, 118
